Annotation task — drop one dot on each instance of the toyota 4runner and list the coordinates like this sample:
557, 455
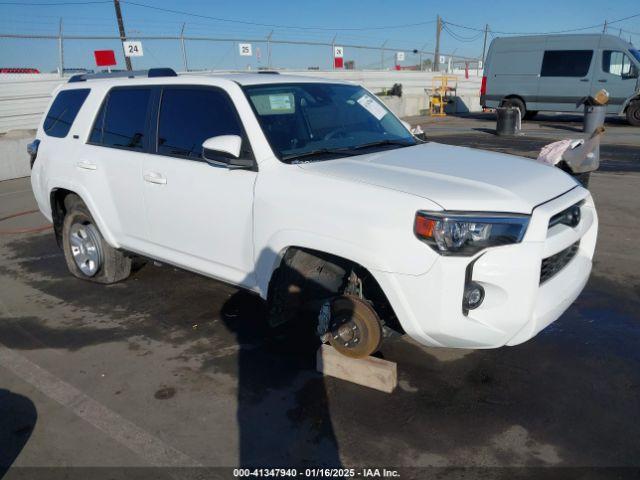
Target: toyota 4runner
313, 195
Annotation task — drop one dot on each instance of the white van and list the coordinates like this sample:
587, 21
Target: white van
553, 72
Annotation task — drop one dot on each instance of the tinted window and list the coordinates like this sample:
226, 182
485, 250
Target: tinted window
63, 112
98, 124
189, 116
616, 63
566, 63
125, 119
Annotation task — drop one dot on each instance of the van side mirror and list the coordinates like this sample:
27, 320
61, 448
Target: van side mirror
224, 151
632, 73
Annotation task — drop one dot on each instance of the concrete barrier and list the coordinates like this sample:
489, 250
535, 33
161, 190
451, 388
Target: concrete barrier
14, 160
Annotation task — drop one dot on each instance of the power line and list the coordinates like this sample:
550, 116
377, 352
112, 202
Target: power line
41, 4
599, 25
271, 25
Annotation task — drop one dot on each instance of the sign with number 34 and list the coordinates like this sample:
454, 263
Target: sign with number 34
132, 49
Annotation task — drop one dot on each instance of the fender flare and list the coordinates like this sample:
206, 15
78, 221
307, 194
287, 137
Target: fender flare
85, 196
268, 259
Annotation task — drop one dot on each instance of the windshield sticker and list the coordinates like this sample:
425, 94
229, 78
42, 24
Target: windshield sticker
274, 104
371, 106
280, 102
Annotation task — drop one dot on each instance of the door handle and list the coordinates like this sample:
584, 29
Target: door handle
154, 177
602, 80
87, 166
584, 79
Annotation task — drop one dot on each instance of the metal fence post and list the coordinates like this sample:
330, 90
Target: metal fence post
184, 49
60, 52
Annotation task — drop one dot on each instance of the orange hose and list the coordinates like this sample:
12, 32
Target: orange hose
17, 231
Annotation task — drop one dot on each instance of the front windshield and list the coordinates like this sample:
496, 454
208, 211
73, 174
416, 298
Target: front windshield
635, 53
324, 120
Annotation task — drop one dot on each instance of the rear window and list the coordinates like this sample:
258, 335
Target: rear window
122, 119
63, 112
566, 63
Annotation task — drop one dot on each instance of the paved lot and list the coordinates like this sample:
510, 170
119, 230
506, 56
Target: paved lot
172, 369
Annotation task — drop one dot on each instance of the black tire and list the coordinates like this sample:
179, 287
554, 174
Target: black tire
530, 114
107, 265
633, 113
300, 284
516, 103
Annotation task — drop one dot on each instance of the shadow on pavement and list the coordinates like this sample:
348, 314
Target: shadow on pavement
18, 417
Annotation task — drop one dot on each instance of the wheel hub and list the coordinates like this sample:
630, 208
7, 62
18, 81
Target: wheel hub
85, 247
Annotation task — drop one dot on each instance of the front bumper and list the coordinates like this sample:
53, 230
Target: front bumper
517, 305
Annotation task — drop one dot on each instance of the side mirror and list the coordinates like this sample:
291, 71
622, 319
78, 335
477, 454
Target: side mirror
224, 151
633, 73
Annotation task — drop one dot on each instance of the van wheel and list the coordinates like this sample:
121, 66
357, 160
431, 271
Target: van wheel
88, 255
633, 113
516, 103
355, 329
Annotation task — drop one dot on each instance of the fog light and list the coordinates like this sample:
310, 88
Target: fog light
473, 295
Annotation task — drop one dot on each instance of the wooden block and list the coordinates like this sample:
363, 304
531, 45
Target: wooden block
370, 371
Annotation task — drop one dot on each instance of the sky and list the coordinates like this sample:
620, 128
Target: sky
402, 26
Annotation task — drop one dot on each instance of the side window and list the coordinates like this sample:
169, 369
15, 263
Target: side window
616, 63
566, 63
122, 120
188, 116
63, 112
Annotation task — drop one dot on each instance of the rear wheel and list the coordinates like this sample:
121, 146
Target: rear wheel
87, 254
354, 329
633, 113
516, 103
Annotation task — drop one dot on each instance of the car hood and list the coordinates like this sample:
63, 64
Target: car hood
456, 178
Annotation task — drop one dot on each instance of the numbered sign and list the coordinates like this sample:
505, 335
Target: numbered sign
338, 52
132, 49
245, 49
400, 56
442, 59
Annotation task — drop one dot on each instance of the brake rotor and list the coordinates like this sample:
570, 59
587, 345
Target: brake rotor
354, 328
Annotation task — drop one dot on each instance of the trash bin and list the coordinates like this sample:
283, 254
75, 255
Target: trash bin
594, 116
507, 119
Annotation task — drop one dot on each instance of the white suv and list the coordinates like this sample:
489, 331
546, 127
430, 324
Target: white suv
312, 194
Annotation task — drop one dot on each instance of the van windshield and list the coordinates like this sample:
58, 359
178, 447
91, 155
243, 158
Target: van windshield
635, 53
320, 121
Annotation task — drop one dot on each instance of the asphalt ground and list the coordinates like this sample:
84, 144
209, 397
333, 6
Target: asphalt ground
169, 372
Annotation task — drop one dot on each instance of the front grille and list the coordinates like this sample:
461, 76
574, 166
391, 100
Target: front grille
555, 263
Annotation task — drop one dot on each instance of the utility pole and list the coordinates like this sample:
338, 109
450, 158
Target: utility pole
60, 51
604, 28
436, 54
484, 45
269, 49
333, 52
184, 50
123, 37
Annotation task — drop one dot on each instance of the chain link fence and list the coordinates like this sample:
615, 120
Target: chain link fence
67, 54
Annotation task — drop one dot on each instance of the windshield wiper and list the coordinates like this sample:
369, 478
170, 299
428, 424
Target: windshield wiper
382, 143
314, 153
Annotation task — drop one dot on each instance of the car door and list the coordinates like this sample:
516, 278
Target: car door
199, 216
565, 78
618, 75
111, 162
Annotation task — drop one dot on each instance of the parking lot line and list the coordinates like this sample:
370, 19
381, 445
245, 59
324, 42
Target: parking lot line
147, 446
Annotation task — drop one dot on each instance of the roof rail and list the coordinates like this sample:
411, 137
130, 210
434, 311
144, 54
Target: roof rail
268, 72
151, 73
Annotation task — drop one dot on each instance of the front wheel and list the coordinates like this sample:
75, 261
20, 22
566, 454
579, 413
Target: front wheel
87, 254
633, 113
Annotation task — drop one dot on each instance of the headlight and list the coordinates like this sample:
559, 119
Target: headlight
467, 233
